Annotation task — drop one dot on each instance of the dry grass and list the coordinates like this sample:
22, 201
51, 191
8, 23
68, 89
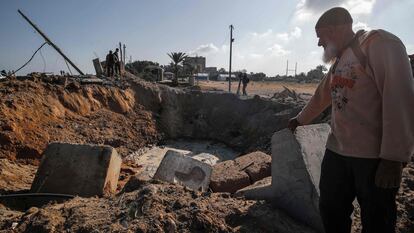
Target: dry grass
260, 88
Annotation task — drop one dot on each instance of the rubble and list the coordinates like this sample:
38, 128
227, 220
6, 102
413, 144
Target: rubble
155, 207
83, 170
232, 175
178, 168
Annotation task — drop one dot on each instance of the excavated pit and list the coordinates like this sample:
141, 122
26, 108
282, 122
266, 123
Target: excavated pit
243, 124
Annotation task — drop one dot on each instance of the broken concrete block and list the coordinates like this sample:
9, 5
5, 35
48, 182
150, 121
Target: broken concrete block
232, 175
179, 168
207, 158
257, 165
260, 190
98, 67
296, 165
76, 169
227, 177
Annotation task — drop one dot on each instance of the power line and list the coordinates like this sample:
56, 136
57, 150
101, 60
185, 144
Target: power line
44, 61
30, 58
68, 67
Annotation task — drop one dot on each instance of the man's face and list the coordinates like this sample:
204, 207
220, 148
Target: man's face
327, 41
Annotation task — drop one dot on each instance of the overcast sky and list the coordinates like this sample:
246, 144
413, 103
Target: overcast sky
267, 32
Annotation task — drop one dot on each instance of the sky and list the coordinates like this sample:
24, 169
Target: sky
267, 33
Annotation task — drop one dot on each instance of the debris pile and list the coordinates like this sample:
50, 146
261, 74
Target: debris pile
154, 207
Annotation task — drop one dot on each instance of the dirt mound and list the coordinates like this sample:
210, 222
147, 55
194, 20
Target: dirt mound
156, 208
15, 177
32, 114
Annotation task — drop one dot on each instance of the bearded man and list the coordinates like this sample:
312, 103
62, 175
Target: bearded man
370, 89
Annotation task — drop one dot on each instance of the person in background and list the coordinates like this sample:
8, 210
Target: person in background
117, 62
110, 62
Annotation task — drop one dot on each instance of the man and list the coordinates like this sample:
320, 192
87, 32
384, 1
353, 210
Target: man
110, 61
245, 81
117, 62
371, 93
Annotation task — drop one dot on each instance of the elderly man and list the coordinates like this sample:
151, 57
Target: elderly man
371, 92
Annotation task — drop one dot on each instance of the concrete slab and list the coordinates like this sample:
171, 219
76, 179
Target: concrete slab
296, 163
178, 168
76, 169
204, 151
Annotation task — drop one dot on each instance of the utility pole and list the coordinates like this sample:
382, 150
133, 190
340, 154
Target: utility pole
50, 42
296, 68
125, 54
231, 47
120, 52
287, 68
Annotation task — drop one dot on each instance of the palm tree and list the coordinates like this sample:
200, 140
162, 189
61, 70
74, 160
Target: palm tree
176, 58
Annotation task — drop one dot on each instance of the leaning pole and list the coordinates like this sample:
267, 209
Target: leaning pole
50, 42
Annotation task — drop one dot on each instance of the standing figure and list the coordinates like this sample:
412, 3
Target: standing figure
110, 62
117, 62
245, 81
370, 91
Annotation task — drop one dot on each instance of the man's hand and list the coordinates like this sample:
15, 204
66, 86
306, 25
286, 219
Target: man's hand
293, 124
388, 174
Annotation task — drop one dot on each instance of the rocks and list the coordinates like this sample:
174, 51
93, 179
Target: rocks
256, 165
260, 190
227, 177
76, 169
179, 168
232, 175
296, 163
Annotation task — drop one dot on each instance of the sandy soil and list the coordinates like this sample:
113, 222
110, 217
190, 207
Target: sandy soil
260, 88
154, 207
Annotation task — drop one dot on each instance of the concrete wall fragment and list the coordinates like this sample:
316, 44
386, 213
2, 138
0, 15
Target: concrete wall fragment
76, 169
296, 164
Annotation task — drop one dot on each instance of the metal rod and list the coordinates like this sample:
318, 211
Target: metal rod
36, 195
231, 47
50, 42
120, 53
125, 54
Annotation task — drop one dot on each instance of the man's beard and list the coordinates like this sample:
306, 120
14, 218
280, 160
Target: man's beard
329, 53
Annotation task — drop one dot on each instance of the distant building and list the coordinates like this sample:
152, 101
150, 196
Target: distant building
198, 62
153, 73
210, 70
168, 75
201, 76
225, 77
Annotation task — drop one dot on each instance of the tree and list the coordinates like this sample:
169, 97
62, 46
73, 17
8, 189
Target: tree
176, 58
222, 71
138, 67
317, 73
